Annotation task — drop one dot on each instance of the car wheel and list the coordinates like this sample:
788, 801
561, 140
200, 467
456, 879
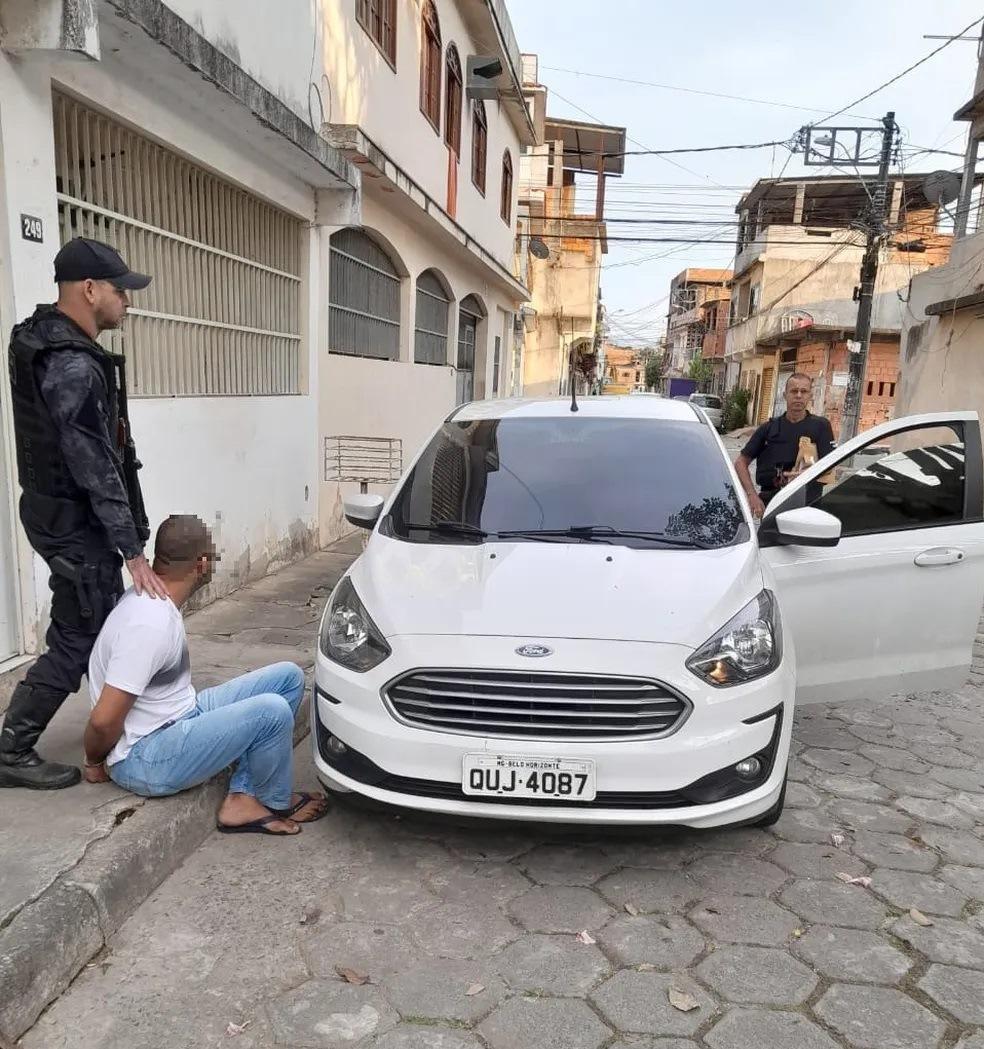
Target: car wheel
767, 819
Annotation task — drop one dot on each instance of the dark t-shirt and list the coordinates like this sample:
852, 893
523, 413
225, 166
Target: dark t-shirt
775, 445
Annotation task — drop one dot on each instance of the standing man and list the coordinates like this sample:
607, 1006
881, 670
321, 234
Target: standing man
81, 500
774, 446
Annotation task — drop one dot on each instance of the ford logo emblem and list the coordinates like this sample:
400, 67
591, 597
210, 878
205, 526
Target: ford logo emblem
534, 651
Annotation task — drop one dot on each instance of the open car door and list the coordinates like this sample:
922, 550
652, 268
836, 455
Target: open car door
893, 605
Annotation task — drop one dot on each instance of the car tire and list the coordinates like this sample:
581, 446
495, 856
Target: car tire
767, 819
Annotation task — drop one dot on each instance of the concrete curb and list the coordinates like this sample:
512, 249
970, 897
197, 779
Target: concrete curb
52, 938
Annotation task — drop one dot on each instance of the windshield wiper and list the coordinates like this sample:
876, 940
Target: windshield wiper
448, 528
605, 533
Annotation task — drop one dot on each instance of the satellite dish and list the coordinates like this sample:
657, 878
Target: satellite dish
941, 187
539, 249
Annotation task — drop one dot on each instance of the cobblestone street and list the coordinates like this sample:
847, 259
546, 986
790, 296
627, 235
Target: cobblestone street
469, 936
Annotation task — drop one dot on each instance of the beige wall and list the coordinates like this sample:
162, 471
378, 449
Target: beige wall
940, 361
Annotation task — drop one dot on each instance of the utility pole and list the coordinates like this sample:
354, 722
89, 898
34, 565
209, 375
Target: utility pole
851, 414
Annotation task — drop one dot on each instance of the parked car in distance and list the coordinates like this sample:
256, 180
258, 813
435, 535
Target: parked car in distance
712, 406
573, 617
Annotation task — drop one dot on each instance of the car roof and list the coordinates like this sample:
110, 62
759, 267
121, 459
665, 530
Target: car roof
614, 407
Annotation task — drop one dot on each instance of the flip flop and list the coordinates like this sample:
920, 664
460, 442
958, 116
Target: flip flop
259, 826
306, 799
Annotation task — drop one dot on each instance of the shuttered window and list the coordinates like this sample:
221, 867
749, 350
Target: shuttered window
452, 105
480, 145
430, 337
378, 19
430, 65
505, 203
364, 298
222, 314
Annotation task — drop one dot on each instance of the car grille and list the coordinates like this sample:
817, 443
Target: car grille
536, 705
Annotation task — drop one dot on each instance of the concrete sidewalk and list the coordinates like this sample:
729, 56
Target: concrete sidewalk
75, 863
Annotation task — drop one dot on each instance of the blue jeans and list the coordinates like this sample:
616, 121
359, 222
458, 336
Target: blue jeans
249, 720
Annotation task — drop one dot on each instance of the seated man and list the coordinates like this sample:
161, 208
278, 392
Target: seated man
150, 733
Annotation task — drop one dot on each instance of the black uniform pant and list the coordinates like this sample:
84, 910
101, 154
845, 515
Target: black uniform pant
85, 587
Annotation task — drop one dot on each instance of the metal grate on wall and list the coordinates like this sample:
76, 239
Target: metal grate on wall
364, 298
430, 337
222, 316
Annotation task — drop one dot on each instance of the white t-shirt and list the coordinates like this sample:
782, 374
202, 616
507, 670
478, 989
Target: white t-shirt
142, 649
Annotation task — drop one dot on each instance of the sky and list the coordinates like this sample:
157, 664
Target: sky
821, 56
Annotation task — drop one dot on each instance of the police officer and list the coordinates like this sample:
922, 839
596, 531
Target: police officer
774, 447
80, 505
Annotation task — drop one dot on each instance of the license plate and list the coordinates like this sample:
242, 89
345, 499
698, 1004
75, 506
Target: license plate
518, 776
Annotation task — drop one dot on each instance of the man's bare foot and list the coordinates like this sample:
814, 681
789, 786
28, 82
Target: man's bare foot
238, 809
314, 808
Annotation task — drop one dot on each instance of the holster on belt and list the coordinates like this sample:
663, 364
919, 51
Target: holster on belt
83, 577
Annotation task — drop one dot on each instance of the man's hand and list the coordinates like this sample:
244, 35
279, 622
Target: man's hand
95, 773
756, 505
145, 579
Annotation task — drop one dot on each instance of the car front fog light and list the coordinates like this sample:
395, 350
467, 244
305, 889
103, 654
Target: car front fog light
750, 768
336, 747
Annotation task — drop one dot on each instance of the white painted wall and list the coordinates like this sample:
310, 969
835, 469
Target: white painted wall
290, 46
248, 466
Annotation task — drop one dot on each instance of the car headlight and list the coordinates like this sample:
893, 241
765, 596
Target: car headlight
748, 646
348, 634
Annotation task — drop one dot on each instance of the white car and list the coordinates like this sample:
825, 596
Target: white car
712, 407
573, 617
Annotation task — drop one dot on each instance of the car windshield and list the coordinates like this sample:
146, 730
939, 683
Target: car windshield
706, 400
570, 479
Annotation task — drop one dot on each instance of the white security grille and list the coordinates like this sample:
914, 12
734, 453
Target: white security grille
222, 314
430, 337
364, 298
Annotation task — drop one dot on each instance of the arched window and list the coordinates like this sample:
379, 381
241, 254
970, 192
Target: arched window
378, 19
480, 145
363, 298
452, 103
430, 66
505, 202
430, 336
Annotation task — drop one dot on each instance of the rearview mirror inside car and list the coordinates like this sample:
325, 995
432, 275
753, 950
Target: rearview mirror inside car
363, 510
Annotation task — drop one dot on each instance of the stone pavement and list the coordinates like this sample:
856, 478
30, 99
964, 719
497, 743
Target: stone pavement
74, 864
467, 936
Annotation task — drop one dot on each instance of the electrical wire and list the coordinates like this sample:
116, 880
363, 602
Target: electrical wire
898, 76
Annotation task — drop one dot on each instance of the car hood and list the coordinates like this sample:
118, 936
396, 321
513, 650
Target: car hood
555, 590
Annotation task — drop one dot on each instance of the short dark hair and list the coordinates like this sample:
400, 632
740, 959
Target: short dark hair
799, 375
181, 540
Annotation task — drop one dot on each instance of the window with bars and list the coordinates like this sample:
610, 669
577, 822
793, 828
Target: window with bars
480, 145
378, 19
430, 336
222, 316
430, 65
470, 315
363, 298
505, 204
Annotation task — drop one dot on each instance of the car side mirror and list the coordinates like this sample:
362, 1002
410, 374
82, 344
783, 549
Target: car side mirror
363, 510
803, 526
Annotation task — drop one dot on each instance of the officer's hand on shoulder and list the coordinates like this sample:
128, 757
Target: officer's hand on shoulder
145, 579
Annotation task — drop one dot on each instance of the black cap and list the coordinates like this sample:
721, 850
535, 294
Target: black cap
83, 259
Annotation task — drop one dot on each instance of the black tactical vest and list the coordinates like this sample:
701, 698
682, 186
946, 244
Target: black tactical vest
41, 467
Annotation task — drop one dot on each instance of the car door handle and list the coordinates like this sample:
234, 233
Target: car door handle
939, 555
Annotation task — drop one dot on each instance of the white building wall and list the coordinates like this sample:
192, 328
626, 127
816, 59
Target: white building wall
209, 456
361, 397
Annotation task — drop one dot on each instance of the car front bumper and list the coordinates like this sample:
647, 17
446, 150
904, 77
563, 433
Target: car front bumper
639, 781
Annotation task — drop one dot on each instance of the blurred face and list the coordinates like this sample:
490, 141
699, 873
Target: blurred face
798, 393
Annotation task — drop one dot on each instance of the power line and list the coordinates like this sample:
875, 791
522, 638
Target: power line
694, 91
898, 76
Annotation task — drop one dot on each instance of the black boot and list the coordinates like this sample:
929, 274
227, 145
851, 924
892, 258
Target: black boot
31, 708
